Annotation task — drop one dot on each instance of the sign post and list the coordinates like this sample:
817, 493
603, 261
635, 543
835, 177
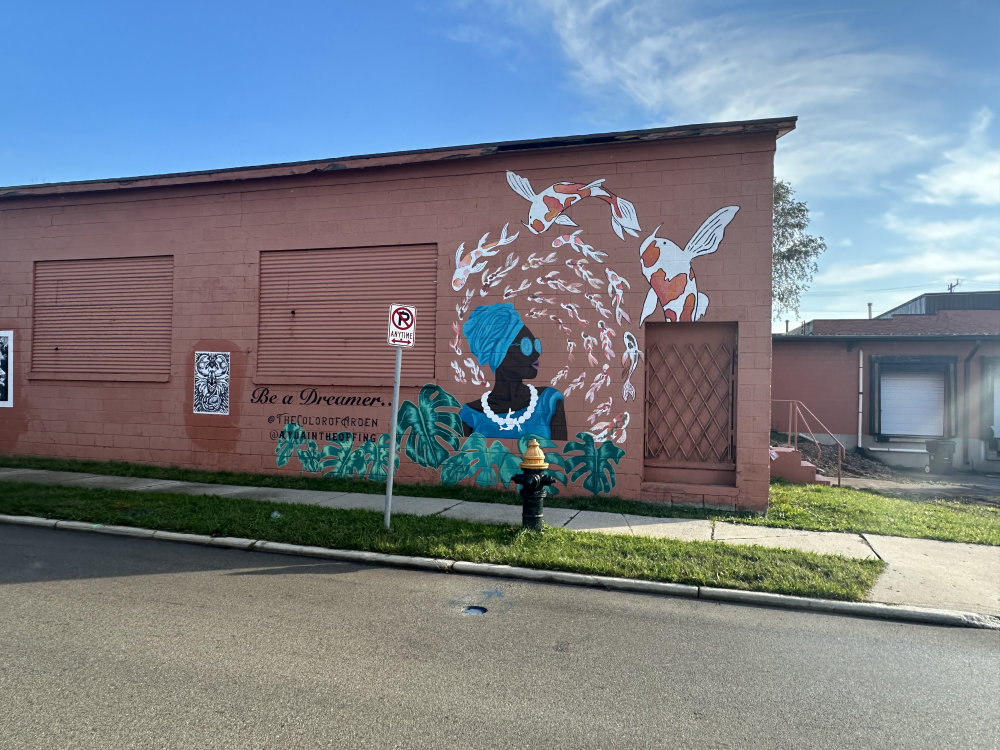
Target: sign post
402, 327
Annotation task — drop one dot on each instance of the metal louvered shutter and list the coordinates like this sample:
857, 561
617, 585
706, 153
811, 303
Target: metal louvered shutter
324, 314
912, 403
106, 318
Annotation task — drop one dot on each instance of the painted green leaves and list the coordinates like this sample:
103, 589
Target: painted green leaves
488, 464
336, 459
291, 437
584, 458
434, 427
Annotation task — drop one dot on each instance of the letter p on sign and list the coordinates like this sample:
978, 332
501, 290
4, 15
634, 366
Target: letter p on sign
402, 325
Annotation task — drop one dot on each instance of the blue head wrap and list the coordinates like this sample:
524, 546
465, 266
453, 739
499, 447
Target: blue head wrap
490, 330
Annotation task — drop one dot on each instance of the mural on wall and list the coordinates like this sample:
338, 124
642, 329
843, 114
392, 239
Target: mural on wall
668, 270
510, 297
211, 382
6, 368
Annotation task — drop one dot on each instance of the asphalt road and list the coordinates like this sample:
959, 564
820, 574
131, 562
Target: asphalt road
111, 642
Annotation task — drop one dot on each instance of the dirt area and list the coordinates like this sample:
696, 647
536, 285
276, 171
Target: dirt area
855, 464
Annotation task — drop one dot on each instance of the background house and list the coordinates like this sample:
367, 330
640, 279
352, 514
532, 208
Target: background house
236, 319
928, 369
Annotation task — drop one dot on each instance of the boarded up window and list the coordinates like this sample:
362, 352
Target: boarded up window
324, 314
103, 319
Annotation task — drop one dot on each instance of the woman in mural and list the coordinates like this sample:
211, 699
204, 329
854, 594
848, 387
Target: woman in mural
498, 338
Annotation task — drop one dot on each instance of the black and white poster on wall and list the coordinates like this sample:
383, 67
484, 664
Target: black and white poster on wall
211, 382
6, 368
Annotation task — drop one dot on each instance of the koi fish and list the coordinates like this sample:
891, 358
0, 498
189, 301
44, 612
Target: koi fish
668, 270
600, 380
552, 281
603, 408
618, 425
509, 292
606, 335
595, 300
630, 361
574, 312
570, 346
600, 431
459, 372
616, 291
463, 307
577, 383
579, 267
537, 261
589, 343
534, 313
478, 378
538, 299
548, 207
564, 372
574, 241
562, 326
456, 345
472, 262
492, 278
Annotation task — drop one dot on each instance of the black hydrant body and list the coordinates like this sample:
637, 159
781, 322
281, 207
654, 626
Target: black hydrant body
532, 481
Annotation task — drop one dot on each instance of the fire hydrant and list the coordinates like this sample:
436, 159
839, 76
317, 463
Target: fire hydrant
533, 481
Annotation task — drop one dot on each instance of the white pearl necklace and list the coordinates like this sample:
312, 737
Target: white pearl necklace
510, 422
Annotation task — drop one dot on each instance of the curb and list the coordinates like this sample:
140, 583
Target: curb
734, 596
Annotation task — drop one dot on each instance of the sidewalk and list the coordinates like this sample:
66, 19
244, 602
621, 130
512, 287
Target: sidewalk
920, 572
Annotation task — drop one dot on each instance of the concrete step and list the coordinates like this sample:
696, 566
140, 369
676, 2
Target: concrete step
789, 465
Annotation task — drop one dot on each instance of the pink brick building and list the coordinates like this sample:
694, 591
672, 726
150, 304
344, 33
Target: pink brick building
927, 370
609, 294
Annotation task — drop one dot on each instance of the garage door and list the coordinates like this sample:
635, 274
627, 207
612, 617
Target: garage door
912, 403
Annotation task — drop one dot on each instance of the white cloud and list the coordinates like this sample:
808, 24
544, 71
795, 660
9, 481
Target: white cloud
970, 172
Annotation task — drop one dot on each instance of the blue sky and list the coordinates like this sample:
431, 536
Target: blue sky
897, 152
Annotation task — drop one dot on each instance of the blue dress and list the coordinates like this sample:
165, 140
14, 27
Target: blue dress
539, 423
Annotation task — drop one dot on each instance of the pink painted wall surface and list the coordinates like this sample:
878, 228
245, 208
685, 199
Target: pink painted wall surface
216, 231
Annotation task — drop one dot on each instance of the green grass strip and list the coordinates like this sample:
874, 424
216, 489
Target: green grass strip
748, 568
817, 508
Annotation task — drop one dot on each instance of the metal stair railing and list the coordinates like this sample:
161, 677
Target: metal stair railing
797, 412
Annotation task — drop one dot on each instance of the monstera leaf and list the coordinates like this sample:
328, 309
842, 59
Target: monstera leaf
585, 458
379, 453
434, 430
459, 466
291, 437
357, 461
332, 458
309, 456
489, 462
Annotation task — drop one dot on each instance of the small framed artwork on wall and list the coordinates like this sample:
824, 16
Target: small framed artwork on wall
6, 368
211, 382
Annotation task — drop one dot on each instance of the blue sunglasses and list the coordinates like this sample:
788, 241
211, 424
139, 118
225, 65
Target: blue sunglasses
527, 346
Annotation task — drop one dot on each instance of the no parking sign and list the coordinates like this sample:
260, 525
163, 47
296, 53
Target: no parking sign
402, 325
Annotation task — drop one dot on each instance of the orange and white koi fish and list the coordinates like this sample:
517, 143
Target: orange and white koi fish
616, 291
618, 425
534, 313
577, 383
589, 344
478, 378
456, 345
574, 241
600, 431
537, 299
606, 335
600, 380
537, 261
552, 281
630, 361
564, 372
562, 326
472, 262
603, 408
579, 267
459, 372
574, 312
548, 206
463, 307
510, 292
668, 270
595, 300
570, 347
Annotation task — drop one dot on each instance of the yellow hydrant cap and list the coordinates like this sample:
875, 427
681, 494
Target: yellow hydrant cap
534, 458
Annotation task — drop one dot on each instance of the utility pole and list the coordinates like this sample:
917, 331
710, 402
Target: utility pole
951, 287
869, 311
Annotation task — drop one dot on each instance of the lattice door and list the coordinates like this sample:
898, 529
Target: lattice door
690, 396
